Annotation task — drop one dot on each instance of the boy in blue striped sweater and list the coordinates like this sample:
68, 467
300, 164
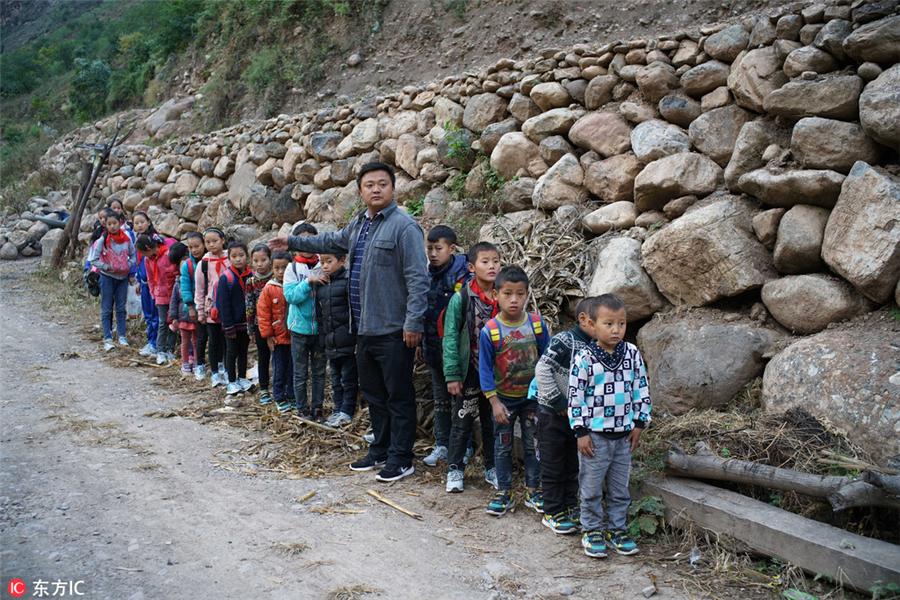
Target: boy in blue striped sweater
609, 406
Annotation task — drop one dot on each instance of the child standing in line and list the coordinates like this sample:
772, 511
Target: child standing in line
144, 226
449, 272
467, 312
261, 259
306, 344
206, 278
161, 278
558, 445
272, 311
178, 311
333, 303
508, 350
196, 250
114, 255
232, 309
609, 407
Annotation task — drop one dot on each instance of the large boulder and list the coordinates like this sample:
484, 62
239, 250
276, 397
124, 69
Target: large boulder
613, 216
787, 188
832, 98
680, 111
809, 58
550, 95
877, 42
364, 136
600, 91
727, 44
169, 111
847, 376
698, 360
612, 179
557, 121
749, 148
269, 210
714, 133
862, 239
562, 184
878, 111
447, 111
9, 251
484, 109
48, 243
516, 195
798, 247
522, 107
490, 137
619, 272
710, 253
807, 304
818, 143
654, 139
704, 78
831, 37
656, 80
408, 147
324, 145
607, 134
754, 76
406, 121
514, 151
682, 174
245, 187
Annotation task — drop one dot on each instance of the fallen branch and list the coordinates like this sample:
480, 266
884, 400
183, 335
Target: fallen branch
315, 425
394, 505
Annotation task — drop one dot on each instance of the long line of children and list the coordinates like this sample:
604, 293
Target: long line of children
581, 395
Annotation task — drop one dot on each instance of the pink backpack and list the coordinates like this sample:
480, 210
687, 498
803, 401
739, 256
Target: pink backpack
117, 261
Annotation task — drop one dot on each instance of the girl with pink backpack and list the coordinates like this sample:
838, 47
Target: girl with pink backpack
114, 255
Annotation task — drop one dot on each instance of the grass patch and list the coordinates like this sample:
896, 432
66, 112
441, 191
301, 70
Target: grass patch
289, 548
350, 592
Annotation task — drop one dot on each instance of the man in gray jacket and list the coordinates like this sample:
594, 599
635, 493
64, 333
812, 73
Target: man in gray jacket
388, 296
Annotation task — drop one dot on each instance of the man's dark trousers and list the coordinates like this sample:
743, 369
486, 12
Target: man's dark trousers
385, 379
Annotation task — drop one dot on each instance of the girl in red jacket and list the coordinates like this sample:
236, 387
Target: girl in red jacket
161, 278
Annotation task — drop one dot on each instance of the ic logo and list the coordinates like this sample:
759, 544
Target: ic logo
16, 588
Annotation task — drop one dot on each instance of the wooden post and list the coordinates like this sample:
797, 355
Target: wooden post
74, 222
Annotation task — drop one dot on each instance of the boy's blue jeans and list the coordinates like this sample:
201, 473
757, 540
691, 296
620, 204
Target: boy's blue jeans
151, 316
309, 365
344, 384
612, 462
113, 294
526, 412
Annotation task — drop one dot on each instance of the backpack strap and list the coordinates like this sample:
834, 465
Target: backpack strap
191, 268
536, 325
494, 330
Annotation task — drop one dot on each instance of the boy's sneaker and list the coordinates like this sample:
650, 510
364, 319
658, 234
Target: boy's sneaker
266, 398
304, 413
109, 345
369, 437
332, 421
490, 475
283, 407
161, 358
535, 500
593, 544
246, 384
318, 415
367, 463
500, 503
344, 418
147, 350
200, 372
437, 457
621, 543
559, 523
217, 379
171, 356
233, 388
186, 369
395, 473
454, 480
575, 516
123, 341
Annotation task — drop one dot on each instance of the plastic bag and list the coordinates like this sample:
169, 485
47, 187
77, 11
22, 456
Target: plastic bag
133, 303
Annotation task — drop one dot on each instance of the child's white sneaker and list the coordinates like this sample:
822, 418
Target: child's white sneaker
217, 379
200, 372
123, 341
233, 388
437, 457
108, 345
161, 358
147, 350
245, 384
454, 480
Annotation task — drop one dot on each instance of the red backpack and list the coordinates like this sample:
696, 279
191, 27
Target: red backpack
460, 288
229, 277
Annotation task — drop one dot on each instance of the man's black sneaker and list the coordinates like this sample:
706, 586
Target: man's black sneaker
367, 463
395, 473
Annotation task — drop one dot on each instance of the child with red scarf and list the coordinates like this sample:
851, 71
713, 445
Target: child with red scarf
113, 254
206, 279
232, 308
161, 278
469, 309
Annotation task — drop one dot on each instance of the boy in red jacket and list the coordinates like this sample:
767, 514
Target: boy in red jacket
271, 314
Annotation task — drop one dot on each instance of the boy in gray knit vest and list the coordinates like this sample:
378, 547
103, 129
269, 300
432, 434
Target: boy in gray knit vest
559, 446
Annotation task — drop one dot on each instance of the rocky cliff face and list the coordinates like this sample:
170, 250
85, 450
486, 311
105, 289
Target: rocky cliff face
754, 160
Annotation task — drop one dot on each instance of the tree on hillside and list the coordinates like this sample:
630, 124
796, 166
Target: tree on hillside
89, 88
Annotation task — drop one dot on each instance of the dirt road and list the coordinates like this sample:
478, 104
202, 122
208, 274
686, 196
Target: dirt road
134, 507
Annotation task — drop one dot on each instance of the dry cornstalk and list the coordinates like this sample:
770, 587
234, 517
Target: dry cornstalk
329, 429
394, 505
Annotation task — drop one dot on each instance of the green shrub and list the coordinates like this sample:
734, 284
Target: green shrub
89, 88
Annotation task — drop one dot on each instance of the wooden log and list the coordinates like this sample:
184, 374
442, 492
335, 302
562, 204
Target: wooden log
841, 492
852, 560
70, 231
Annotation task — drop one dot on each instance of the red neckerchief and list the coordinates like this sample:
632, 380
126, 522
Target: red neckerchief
478, 291
241, 275
119, 238
307, 261
215, 262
